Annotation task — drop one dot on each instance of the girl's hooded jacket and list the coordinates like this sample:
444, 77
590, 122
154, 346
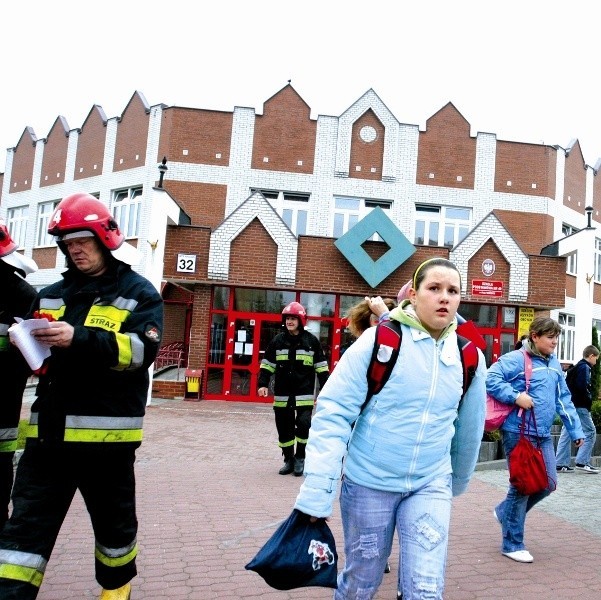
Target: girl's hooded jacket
506, 381
417, 428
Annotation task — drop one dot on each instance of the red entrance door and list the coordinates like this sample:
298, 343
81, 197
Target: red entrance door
248, 337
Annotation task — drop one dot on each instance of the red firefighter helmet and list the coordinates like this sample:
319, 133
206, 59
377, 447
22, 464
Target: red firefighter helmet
6, 242
10, 256
294, 309
82, 212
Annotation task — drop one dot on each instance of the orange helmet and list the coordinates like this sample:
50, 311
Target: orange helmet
8, 253
82, 212
294, 309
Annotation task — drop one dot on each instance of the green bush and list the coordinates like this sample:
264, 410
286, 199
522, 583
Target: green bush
21, 434
492, 436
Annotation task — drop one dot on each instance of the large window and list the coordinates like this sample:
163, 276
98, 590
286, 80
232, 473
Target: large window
16, 222
441, 225
45, 210
291, 206
572, 259
565, 348
127, 206
349, 211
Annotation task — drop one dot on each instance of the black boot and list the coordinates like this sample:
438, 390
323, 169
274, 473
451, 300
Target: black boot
288, 467
299, 466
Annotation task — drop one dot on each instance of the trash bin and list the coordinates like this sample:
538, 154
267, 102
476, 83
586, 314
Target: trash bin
193, 384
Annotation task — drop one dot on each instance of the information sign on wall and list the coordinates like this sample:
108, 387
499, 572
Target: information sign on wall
484, 287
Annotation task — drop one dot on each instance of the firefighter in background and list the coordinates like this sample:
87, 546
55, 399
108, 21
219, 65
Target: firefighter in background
16, 298
86, 422
294, 357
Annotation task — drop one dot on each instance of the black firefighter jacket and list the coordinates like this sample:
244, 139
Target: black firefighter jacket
96, 390
294, 360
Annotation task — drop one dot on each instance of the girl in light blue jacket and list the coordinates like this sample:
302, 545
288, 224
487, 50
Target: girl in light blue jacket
546, 395
413, 447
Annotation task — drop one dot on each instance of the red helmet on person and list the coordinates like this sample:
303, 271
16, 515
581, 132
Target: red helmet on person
10, 256
294, 309
82, 212
7, 245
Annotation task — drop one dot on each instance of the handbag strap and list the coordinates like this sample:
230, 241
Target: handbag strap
527, 367
531, 421
527, 376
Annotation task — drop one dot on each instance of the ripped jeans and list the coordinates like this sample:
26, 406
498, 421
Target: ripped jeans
369, 518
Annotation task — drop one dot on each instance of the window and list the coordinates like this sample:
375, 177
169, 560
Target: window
290, 206
572, 259
127, 205
45, 210
16, 222
441, 225
349, 211
565, 348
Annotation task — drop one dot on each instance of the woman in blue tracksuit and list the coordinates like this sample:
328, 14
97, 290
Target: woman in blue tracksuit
413, 447
547, 394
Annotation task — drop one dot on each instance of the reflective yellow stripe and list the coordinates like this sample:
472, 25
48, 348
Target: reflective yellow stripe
19, 573
286, 444
304, 402
103, 435
93, 435
31, 431
117, 561
55, 307
8, 446
124, 351
106, 317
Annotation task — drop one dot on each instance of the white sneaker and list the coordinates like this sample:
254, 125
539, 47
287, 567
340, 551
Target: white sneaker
587, 469
522, 556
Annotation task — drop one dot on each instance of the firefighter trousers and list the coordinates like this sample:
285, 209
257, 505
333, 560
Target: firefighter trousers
13, 386
45, 484
293, 426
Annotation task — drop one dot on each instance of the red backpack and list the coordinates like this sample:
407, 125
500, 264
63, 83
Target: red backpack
388, 333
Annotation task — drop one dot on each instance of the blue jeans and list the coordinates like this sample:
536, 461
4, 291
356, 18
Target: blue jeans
512, 511
369, 519
564, 445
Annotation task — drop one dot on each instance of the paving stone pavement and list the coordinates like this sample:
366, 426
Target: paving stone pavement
209, 496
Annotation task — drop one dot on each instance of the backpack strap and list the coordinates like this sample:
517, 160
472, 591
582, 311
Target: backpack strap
383, 358
469, 361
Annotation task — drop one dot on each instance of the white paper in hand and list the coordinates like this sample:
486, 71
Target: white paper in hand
33, 351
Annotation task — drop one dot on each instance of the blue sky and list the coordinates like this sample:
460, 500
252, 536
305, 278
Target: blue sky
526, 71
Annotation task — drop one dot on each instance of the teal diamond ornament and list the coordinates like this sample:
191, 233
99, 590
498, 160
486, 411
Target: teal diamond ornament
399, 247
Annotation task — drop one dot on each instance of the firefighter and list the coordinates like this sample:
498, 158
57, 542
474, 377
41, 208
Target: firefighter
294, 357
16, 298
86, 421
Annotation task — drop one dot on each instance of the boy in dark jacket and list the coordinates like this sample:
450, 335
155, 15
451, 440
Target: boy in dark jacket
578, 379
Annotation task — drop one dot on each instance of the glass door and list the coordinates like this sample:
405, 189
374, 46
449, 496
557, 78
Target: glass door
249, 337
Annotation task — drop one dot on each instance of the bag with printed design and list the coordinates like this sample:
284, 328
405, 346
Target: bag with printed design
299, 554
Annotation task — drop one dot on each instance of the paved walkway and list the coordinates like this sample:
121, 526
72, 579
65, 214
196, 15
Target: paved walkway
209, 496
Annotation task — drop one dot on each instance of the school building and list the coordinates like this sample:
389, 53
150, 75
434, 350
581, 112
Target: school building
237, 213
